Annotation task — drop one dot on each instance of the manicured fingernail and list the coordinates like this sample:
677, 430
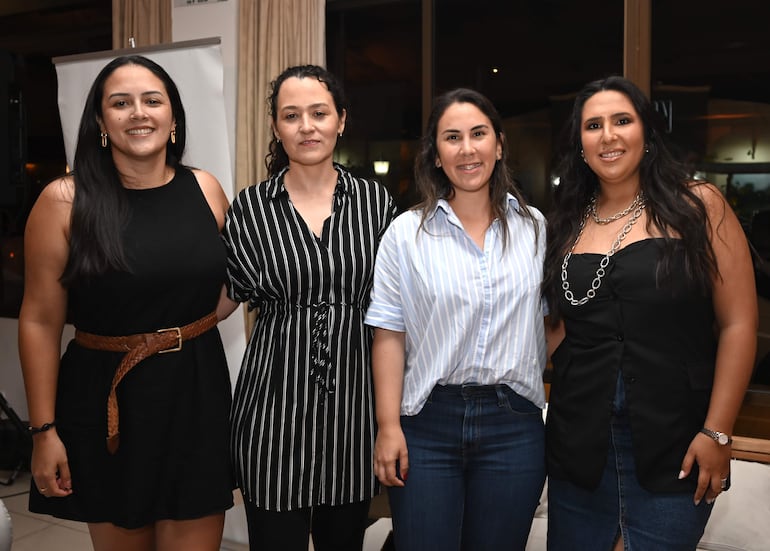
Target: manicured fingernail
710, 501
681, 475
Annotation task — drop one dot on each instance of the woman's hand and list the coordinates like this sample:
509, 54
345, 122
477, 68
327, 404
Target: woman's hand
391, 458
50, 468
713, 464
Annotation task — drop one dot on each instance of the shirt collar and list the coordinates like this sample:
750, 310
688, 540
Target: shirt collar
276, 187
443, 204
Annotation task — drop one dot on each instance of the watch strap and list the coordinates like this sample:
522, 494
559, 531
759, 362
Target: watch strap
719, 437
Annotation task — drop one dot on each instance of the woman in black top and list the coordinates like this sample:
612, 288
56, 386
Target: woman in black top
301, 250
128, 244
642, 265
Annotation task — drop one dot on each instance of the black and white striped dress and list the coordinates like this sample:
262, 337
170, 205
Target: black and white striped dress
302, 418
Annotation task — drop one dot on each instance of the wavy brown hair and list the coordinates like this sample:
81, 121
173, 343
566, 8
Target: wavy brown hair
277, 159
433, 183
674, 209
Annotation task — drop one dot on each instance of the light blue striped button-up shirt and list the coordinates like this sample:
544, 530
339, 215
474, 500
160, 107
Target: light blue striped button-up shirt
470, 316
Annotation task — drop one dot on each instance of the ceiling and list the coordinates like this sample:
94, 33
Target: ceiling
49, 28
539, 48
32, 32
538, 43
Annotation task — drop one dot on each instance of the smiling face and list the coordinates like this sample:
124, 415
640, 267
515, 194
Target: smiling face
136, 113
306, 121
612, 135
468, 148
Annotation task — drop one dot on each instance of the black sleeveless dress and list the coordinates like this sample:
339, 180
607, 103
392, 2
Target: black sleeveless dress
173, 460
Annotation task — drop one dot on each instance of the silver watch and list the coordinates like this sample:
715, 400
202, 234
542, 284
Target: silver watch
719, 437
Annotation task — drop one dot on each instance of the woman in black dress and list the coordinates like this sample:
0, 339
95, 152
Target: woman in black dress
301, 250
129, 439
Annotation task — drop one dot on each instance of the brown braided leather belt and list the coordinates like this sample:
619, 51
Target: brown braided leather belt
137, 348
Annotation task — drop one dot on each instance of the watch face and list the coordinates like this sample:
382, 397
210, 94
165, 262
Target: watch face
722, 438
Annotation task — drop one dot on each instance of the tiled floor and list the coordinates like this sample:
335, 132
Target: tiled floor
32, 532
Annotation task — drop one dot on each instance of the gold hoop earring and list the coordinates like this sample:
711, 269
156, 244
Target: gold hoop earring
103, 137
173, 136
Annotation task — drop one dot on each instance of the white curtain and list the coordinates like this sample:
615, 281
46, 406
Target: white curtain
148, 22
273, 35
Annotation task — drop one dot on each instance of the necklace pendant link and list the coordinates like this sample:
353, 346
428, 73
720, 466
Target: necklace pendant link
637, 206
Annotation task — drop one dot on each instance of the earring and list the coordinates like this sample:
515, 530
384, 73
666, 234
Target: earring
340, 134
173, 135
438, 163
646, 148
582, 156
277, 139
103, 136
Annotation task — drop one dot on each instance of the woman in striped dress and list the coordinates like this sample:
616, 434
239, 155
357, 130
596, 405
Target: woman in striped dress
301, 249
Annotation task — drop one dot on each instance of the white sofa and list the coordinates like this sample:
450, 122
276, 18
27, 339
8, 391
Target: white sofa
6, 529
740, 520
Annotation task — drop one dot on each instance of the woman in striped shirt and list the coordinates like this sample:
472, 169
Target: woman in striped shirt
301, 249
459, 349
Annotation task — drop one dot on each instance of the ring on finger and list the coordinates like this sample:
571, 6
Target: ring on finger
725, 484
42, 490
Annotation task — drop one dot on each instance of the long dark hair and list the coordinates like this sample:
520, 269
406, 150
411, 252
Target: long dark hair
99, 210
672, 206
276, 159
432, 181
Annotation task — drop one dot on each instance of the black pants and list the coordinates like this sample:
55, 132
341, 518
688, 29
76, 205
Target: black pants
334, 528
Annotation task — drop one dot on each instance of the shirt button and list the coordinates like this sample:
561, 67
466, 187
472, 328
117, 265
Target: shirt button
619, 336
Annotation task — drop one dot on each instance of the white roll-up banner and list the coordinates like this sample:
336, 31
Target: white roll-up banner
196, 68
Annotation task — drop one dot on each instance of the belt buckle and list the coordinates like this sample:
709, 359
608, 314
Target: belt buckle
178, 346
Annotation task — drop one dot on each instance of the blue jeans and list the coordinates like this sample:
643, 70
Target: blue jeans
583, 520
476, 471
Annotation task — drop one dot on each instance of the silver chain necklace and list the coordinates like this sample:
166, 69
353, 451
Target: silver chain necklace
600, 271
618, 216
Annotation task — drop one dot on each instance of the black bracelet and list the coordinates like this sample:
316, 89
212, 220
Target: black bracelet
45, 427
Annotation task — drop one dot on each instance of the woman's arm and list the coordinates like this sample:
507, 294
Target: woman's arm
218, 202
391, 460
226, 305
735, 307
41, 320
554, 334
215, 195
